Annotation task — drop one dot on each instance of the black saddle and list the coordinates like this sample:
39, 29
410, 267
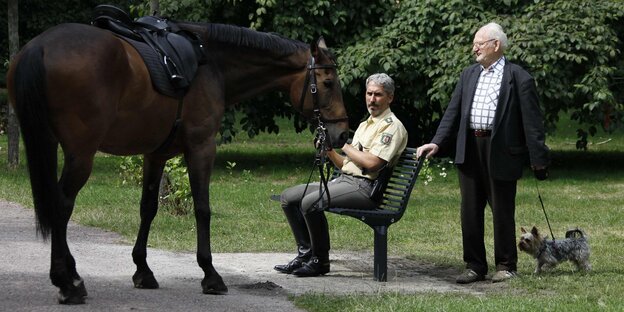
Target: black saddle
172, 55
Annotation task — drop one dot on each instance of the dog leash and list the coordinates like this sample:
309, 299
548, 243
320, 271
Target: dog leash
543, 209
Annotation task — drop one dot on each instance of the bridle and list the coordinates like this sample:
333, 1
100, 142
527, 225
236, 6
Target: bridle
310, 81
321, 131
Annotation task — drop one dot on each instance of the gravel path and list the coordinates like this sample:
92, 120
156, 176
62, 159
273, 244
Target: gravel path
105, 264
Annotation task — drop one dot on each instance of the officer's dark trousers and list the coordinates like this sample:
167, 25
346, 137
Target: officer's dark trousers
306, 217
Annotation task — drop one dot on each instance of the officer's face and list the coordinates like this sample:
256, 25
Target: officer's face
377, 99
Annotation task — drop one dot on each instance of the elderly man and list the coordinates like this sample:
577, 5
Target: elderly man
379, 140
495, 125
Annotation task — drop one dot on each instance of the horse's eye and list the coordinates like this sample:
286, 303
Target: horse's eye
328, 83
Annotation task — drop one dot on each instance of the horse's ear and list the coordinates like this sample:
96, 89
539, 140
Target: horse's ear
320, 44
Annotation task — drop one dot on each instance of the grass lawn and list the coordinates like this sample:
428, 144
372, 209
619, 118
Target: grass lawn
586, 189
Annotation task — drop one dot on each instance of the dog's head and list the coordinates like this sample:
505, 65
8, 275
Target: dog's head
530, 242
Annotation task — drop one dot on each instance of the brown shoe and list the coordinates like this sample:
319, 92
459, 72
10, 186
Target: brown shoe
469, 276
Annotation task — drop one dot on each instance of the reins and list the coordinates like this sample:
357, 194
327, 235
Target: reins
321, 132
319, 161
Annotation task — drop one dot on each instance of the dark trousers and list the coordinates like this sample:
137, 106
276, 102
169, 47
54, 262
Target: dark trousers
478, 189
307, 218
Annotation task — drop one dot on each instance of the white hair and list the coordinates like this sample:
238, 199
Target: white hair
495, 31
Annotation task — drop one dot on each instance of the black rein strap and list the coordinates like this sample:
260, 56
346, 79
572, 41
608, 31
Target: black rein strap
321, 131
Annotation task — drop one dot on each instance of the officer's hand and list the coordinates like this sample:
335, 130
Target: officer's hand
327, 146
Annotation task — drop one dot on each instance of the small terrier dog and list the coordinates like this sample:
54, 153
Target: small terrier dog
549, 253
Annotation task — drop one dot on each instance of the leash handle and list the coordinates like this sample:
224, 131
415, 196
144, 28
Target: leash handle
539, 196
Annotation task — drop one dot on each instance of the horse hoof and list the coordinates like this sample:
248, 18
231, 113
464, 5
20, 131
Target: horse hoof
144, 280
81, 289
214, 288
74, 296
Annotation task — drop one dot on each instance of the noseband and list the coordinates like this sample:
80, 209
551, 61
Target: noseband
311, 82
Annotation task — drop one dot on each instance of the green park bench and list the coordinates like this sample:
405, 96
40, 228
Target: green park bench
392, 197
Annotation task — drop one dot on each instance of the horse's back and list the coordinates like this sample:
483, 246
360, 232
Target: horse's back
95, 83
70, 47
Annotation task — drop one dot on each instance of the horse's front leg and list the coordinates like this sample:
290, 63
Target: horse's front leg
152, 174
200, 160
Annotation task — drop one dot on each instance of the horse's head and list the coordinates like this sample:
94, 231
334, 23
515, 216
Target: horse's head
321, 94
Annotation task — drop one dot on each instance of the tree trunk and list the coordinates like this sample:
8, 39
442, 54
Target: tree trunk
13, 127
154, 7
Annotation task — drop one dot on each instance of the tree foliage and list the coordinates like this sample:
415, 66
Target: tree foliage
340, 22
572, 48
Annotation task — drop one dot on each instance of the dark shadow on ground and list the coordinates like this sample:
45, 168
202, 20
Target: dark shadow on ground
266, 159
587, 165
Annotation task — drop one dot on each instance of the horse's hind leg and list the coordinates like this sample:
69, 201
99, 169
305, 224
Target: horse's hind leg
152, 174
63, 272
200, 161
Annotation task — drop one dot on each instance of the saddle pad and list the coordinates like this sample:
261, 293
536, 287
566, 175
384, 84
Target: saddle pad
160, 78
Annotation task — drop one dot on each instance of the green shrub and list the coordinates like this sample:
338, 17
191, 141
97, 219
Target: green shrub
175, 189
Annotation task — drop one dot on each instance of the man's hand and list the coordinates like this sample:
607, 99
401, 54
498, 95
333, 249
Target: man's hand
540, 172
326, 147
428, 150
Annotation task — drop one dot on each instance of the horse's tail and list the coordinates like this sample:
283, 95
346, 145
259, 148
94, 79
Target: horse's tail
31, 106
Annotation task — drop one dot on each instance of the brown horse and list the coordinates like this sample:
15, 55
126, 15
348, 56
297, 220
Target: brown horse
90, 91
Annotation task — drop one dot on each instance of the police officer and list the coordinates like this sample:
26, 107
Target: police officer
378, 141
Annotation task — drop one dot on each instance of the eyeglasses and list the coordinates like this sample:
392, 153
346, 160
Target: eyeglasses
481, 44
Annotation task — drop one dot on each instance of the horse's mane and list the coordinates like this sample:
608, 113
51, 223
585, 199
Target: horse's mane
245, 37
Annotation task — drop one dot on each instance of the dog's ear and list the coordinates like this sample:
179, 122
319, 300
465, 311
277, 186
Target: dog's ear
534, 231
522, 230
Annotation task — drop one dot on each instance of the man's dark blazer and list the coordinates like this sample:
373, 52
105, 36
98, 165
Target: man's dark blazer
518, 130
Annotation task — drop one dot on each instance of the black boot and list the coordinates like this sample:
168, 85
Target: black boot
303, 255
319, 235
302, 238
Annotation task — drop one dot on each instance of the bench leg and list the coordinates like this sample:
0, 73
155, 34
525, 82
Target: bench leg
381, 253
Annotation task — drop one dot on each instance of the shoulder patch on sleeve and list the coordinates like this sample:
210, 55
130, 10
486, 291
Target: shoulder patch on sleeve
386, 138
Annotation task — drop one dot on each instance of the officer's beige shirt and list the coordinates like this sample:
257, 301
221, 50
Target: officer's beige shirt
383, 136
